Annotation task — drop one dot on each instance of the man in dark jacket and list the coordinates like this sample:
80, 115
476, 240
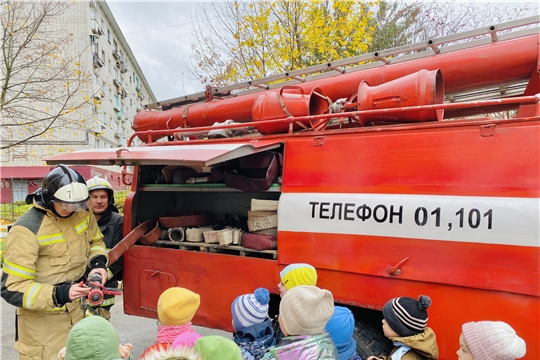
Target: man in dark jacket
111, 225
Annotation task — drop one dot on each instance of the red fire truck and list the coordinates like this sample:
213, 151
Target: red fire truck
384, 169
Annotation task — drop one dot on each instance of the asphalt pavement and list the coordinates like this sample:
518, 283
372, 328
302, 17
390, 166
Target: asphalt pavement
139, 331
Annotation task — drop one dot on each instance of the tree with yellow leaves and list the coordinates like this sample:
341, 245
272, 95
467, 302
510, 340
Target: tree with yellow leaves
42, 86
237, 41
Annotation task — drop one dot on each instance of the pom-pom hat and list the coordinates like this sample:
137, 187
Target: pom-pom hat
250, 309
177, 306
407, 316
493, 340
305, 310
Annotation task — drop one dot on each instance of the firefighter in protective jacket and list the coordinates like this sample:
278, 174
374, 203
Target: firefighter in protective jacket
48, 251
111, 225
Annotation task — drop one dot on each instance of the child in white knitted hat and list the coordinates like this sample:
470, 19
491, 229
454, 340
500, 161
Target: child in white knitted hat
405, 323
252, 327
304, 311
486, 340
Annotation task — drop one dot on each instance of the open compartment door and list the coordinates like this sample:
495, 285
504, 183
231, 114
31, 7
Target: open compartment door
191, 155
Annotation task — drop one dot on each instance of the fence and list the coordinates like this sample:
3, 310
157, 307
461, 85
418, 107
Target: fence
13, 195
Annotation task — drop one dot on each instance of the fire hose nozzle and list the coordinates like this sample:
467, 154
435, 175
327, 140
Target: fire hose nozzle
96, 294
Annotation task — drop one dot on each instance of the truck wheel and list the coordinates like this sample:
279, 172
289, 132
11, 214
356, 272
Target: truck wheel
370, 340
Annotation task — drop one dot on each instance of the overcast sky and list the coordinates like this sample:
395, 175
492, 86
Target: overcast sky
159, 34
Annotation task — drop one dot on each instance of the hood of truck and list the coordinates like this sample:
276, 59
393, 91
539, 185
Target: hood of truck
193, 155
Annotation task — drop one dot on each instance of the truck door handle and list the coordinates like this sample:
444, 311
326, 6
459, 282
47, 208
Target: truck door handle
396, 269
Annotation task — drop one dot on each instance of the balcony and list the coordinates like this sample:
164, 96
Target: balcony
96, 29
123, 67
118, 54
97, 61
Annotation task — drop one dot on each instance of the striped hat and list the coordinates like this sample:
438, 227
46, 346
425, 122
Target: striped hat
407, 316
298, 274
250, 309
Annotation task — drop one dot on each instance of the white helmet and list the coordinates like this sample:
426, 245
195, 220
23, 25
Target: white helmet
64, 185
97, 183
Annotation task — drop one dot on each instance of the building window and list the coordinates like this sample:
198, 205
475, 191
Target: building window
109, 35
98, 143
4, 155
115, 46
95, 45
19, 152
109, 64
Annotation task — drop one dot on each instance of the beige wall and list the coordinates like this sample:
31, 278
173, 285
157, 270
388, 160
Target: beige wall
105, 121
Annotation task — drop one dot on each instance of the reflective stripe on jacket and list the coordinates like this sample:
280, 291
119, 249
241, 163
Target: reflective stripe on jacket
43, 250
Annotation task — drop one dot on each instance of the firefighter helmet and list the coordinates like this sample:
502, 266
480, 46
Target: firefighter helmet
64, 185
97, 183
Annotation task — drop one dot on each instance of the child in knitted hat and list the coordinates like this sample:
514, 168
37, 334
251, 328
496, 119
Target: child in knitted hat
293, 275
252, 328
296, 274
485, 340
217, 347
341, 328
405, 323
94, 338
304, 312
176, 307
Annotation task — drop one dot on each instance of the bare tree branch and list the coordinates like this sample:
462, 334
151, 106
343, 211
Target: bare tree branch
42, 84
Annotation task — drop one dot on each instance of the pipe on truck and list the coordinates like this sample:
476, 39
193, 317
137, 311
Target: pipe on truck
466, 69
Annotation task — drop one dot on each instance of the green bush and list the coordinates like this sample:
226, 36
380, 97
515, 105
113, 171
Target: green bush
120, 199
9, 213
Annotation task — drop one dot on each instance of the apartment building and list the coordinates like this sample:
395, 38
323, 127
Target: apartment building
115, 91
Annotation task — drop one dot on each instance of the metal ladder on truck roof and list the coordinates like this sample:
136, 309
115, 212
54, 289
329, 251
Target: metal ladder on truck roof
445, 44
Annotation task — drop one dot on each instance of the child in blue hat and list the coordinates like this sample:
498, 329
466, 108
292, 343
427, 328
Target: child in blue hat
340, 327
